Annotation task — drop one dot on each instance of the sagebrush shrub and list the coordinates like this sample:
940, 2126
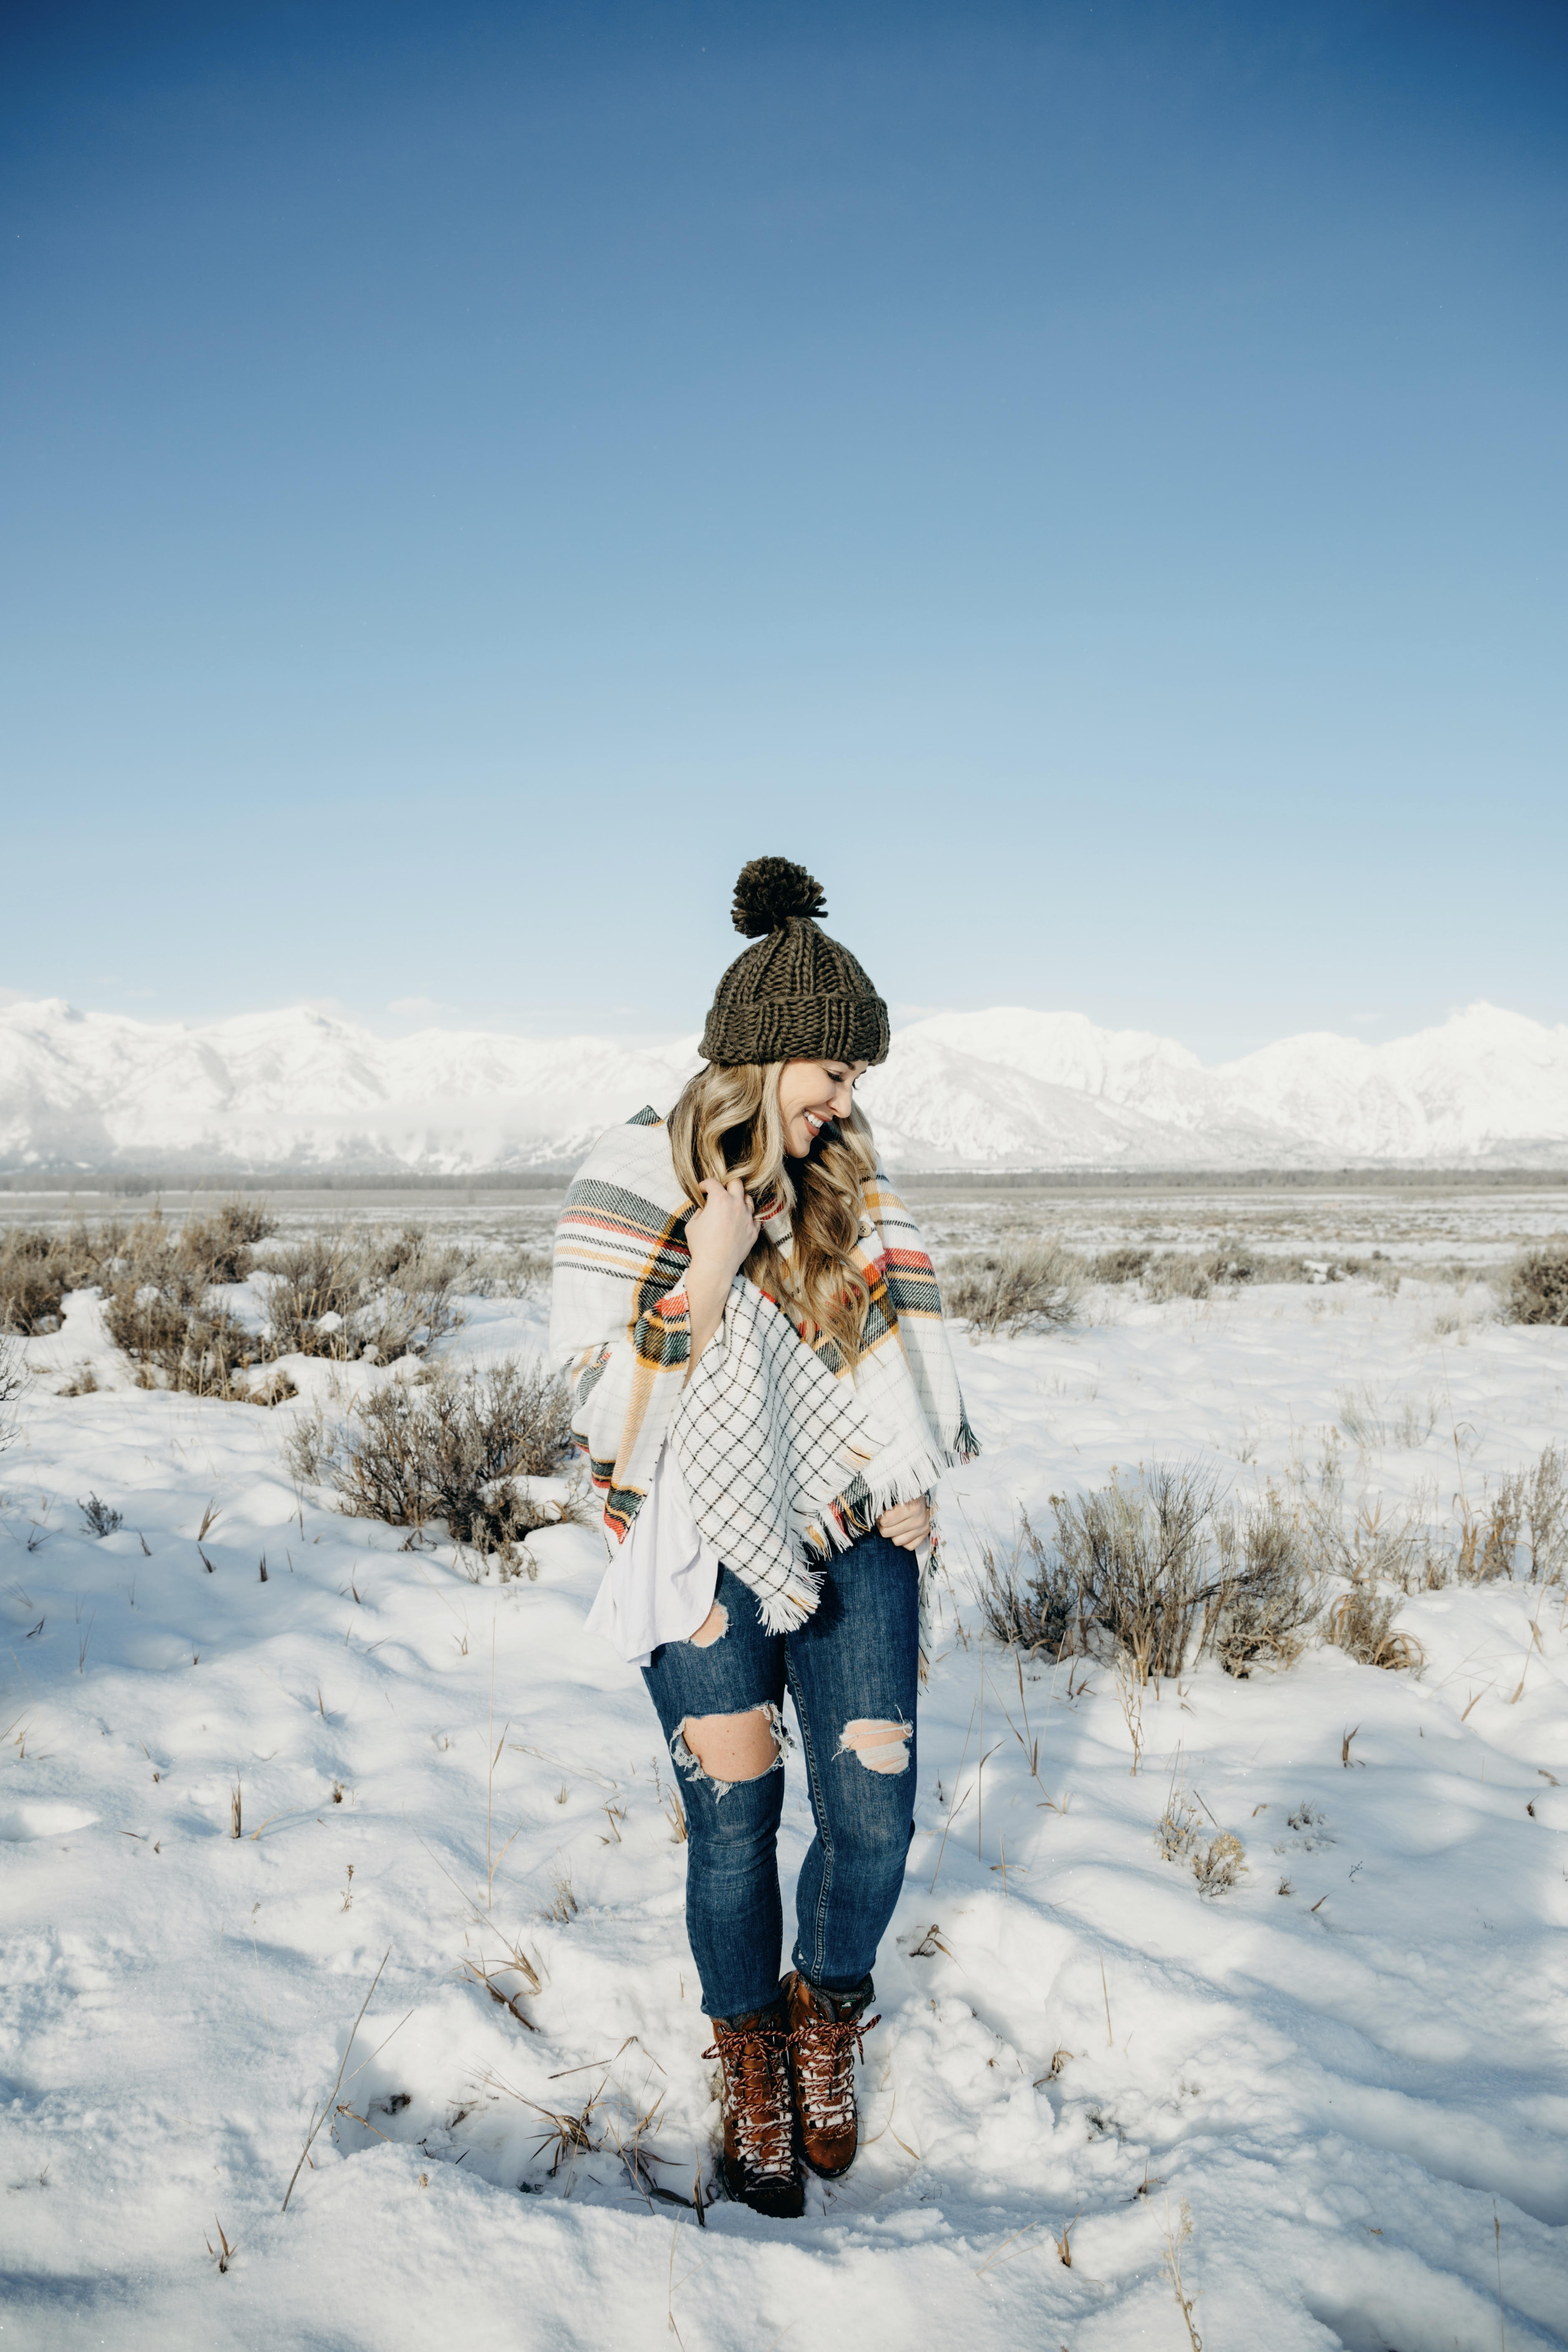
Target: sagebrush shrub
1147, 1564
12, 1379
448, 1449
1028, 1598
1123, 1264
351, 1293
514, 1272
38, 1263
1536, 1289
1178, 1274
99, 1517
1138, 1556
1267, 1598
343, 1294
156, 1282
1021, 1288
154, 1278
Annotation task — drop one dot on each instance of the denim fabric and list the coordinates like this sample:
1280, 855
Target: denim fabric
855, 1661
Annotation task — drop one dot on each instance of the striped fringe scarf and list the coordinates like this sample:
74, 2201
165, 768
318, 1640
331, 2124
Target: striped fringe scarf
786, 1458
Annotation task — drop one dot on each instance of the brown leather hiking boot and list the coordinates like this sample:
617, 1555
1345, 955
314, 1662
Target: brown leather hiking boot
760, 2165
825, 2031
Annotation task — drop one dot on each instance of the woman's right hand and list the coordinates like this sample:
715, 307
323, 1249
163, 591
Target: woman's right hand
721, 1234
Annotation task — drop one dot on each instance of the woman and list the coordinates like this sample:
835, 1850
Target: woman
763, 1384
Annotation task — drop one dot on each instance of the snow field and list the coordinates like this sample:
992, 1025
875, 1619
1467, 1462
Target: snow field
1341, 2083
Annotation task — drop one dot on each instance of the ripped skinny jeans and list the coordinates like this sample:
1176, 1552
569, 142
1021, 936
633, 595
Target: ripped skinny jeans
851, 1671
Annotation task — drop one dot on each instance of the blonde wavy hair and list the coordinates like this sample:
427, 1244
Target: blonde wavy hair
727, 1123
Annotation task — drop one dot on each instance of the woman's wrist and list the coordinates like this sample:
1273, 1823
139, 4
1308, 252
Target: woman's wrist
707, 1289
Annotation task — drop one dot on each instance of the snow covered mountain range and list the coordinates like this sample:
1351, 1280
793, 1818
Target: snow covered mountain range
1004, 1089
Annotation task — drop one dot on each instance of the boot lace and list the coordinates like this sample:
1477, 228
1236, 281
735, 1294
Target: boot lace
757, 2098
825, 2068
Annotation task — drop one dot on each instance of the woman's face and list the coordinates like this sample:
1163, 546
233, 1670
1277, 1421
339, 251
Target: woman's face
810, 1093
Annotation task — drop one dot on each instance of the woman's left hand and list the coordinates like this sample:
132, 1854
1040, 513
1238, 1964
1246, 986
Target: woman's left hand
906, 1523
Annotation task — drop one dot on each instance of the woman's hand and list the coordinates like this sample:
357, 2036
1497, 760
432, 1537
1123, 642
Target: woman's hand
908, 1524
720, 1236
722, 1233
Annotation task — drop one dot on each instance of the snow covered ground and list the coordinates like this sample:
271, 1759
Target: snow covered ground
1351, 2070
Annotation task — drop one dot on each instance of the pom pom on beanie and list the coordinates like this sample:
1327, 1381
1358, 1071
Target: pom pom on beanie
768, 891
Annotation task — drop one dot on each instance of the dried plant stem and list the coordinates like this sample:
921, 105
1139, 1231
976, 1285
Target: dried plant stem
318, 2120
1105, 1988
980, 1808
1171, 2264
1129, 1695
1001, 2249
492, 1863
952, 1810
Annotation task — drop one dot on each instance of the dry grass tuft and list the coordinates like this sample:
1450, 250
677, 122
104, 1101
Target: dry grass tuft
1488, 1537
562, 1905
674, 1813
1361, 1625
1026, 1286
1543, 1503
1177, 1830
98, 1517
481, 1971
228, 2254
1219, 1865
1369, 1419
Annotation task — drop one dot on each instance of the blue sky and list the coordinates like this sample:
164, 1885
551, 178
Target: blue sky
1088, 480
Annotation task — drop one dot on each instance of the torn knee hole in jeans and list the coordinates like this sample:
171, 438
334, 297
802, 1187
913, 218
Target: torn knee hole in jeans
686, 1760
881, 1747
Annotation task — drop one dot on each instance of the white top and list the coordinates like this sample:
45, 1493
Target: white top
660, 1584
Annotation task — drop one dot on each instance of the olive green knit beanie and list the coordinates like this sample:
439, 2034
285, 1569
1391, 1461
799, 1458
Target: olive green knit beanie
797, 996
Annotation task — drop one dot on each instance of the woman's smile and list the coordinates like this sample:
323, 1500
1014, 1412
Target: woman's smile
811, 1095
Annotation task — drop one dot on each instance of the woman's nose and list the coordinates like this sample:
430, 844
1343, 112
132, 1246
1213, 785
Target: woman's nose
842, 1097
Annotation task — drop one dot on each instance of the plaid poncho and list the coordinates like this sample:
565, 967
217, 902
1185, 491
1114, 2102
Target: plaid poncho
788, 1456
